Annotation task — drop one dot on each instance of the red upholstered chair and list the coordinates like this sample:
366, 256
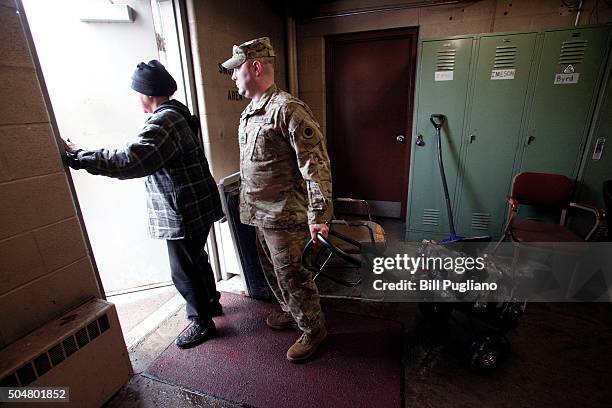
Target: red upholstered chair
551, 192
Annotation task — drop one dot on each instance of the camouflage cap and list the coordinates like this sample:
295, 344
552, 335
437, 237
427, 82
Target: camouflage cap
257, 48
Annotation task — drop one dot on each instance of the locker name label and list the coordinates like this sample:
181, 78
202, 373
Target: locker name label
562, 79
443, 76
502, 74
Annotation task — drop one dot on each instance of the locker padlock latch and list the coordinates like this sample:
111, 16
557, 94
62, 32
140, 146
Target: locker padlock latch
530, 140
419, 141
472, 138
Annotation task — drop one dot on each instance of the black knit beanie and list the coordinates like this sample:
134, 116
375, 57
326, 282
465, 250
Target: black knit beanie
152, 79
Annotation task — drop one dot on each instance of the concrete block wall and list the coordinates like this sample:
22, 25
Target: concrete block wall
215, 26
44, 265
436, 21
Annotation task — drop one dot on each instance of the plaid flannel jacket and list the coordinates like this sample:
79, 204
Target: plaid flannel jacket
183, 199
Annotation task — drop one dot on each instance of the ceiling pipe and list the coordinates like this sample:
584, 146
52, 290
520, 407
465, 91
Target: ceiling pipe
580, 11
395, 7
291, 47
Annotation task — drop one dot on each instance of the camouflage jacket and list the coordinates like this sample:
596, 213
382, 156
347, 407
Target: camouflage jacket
284, 166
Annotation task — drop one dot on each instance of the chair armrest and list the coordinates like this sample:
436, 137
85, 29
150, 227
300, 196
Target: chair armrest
514, 204
598, 213
348, 200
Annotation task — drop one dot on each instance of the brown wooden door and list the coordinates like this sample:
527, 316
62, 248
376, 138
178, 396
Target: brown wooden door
370, 87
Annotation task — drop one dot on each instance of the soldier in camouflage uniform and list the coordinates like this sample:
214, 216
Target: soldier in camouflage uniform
285, 189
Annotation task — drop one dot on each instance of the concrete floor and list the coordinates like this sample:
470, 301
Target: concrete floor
134, 308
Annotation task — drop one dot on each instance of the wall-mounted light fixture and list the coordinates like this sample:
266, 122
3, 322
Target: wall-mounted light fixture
108, 13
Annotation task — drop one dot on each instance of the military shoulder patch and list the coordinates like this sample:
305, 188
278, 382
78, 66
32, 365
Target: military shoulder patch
308, 132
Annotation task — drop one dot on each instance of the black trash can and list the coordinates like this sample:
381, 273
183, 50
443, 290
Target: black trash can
244, 237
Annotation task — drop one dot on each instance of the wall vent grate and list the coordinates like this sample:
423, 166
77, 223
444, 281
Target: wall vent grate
45, 362
70, 346
81, 337
42, 364
505, 57
104, 325
431, 217
572, 52
26, 374
446, 60
92, 330
56, 354
481, 221
9, 381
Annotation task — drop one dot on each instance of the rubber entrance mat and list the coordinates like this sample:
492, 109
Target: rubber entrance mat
358, 366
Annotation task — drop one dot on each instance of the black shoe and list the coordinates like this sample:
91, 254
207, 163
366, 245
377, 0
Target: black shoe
197, 333
216, 309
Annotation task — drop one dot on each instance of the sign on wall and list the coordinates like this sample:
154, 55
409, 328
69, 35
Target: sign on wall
232, 94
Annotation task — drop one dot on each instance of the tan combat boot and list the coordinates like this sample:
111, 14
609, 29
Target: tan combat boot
280, 321
306, 345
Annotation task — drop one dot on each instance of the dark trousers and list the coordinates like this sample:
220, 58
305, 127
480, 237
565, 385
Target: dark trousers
193, 276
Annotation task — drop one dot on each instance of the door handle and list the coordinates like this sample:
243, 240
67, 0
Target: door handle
472, 138
530, 140
401, 139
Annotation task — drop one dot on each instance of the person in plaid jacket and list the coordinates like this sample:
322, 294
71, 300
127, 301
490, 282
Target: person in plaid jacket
182, 196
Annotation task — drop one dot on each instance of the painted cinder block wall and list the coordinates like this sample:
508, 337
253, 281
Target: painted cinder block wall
438, 21
45, 268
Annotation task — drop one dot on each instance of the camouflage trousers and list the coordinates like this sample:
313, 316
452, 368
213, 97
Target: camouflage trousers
280, 252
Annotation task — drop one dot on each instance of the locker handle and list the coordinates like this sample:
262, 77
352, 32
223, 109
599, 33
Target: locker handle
530, 140
420, 141
472, 138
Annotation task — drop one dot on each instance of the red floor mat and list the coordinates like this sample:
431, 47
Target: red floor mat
358, 366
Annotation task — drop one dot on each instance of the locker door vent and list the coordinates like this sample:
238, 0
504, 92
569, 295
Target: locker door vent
505, 56
446, 60
481, 221
431, 217
572, 52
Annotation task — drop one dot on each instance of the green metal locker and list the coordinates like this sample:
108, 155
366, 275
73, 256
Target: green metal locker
498, 102
570, 67
597, 161
596, 164
527, 100
443, 84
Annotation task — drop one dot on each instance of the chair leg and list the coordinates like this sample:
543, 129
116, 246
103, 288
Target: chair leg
515, 258
503, 237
